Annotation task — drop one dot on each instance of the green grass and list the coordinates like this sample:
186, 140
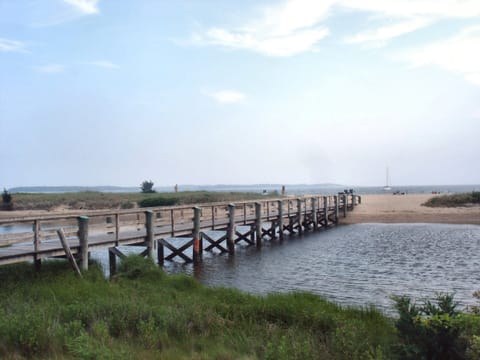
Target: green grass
144, 314
454, 200
91, 200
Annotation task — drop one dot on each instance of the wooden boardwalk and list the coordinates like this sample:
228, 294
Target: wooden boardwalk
206, 227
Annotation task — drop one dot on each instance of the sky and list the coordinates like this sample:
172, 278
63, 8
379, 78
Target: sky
103, 92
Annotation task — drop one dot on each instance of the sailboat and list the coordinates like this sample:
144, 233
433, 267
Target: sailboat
387, 187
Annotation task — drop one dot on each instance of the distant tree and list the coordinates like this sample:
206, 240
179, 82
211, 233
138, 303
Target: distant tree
7, 200
147, 187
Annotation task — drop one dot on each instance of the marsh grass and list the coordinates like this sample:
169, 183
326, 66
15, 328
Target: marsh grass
91, 200
454, 200
144, 314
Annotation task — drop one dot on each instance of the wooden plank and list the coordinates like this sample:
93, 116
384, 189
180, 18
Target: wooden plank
68, 252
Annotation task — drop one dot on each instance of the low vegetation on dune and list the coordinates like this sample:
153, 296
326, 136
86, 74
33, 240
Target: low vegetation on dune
454, 200
144, 314
92, 200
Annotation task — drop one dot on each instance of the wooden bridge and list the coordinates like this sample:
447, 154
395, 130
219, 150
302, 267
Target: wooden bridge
216, 227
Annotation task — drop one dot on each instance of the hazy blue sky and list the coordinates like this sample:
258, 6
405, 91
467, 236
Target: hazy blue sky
237, 92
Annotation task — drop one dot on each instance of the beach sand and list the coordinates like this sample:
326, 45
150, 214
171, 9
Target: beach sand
408, 209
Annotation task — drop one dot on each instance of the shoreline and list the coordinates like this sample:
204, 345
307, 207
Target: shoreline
395, 209
377, 208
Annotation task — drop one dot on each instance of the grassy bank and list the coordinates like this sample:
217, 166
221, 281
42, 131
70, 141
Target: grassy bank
454, 200
91, 200
144, 314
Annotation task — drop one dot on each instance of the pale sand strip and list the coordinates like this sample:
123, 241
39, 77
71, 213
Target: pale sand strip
408, 209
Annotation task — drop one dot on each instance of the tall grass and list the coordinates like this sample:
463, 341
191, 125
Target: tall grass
454, 200
91, 200
144, 314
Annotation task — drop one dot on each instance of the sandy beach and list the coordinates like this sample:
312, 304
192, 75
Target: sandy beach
408, 209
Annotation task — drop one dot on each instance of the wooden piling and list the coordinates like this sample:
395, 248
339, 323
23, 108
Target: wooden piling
335, 200
345, 205
325, 211
83, 238
299, 216
160, 253
197, 237
112, 261
231, 229
314, 214
258, 224
150, 236
280, 219
36, 243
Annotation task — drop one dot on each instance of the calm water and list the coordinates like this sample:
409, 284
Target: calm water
355, 264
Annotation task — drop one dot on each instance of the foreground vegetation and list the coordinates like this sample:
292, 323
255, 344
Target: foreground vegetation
144, 314
92, 200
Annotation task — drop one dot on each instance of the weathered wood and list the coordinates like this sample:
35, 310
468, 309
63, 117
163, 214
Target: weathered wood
231, 229
160, 253
149, 238
102, 229
299, 216
83, 238
335, 200
68, 252
258, 224
345, 205
280, 219
314, 213
36, 244
112, 261
325, 211
197, 236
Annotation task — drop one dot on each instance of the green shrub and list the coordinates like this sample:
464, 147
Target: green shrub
430, 331
158, 201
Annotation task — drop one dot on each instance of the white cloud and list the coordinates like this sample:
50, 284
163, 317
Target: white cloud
227, 96
87, 7
381, 35
296, 26
103, 64
7, 45
50, 68
459, 54
407, 16
284, 30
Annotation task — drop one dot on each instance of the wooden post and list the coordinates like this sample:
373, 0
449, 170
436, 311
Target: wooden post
117, 228
197, 237
68, 252
280, 219
150, 236
36, 243
335, 200
359, 199
314, 214
83, 238
325, 210
160, 253
112, 260
299, 215
172, 221
345, 205
258, 223
213, 217
231, 229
